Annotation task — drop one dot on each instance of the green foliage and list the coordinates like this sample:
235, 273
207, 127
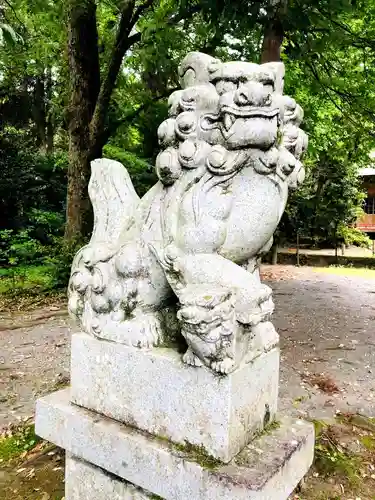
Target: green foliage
45, 225
353, 236
329, 54
60, 261
30, 278
32, 198
141, 172
8, 35
29, 180
18, 248
329, 201
331, 459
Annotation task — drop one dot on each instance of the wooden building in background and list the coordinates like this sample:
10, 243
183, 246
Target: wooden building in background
367, 223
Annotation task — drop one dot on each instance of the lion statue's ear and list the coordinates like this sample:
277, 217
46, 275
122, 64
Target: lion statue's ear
278, 70
195, 69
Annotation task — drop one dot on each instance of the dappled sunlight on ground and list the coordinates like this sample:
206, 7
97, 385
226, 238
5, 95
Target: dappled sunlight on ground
362, 272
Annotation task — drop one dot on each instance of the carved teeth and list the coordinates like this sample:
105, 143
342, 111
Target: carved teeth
228, 121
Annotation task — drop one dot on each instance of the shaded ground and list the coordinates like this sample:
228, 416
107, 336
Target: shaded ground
31, 469
34, 359
326, 324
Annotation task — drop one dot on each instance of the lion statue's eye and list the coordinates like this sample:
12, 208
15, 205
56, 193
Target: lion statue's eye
224, 86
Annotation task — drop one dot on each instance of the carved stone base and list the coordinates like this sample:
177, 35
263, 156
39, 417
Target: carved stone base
156, 392
270, 467
84, 481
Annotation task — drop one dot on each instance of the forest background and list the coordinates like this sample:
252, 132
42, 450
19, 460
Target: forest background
81, 79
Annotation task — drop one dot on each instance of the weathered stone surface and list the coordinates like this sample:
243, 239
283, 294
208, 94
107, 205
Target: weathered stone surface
230, 151
84, 481
268, 469
156, 392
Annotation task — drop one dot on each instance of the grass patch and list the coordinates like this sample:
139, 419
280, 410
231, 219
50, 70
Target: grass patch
331, 457
368, 442
344, 460
18, 278
30, 468
28, 288
362, 272
332, 460
16, 441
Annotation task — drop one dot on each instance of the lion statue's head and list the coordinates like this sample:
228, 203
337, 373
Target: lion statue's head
230, 114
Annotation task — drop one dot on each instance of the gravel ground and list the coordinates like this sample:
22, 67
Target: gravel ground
327, 329
326, 324
34, 360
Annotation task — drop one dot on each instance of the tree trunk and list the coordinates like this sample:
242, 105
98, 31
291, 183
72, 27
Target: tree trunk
85, 83
274, 33
90, 101
90, 98
50, 129
50, 132
39, 112
121, 45
275, 249
272, 41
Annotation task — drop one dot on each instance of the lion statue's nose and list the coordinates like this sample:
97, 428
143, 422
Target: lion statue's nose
252, 94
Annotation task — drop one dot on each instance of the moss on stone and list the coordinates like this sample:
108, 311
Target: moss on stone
267, 429
272, 426
198, 454
191, 452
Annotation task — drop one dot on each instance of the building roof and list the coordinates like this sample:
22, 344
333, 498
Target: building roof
363, 172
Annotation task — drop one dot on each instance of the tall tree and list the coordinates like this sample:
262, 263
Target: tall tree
93, 81
32, 71
84, 91
274, 31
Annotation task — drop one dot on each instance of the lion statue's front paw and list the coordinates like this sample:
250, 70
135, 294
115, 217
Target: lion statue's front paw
224, 366
191, 359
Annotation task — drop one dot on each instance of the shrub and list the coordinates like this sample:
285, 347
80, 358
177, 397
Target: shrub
29, 181
60, 261
353, 236
18, 248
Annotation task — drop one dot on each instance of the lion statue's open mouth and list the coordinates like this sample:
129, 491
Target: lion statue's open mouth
236, 120
230, 114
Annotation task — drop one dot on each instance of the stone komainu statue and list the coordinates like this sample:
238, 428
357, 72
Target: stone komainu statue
231, 148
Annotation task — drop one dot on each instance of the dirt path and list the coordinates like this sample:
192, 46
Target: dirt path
327, 329
34, 360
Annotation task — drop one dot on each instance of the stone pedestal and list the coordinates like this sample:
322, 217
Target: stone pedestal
141, 424
107, 459
156, 392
